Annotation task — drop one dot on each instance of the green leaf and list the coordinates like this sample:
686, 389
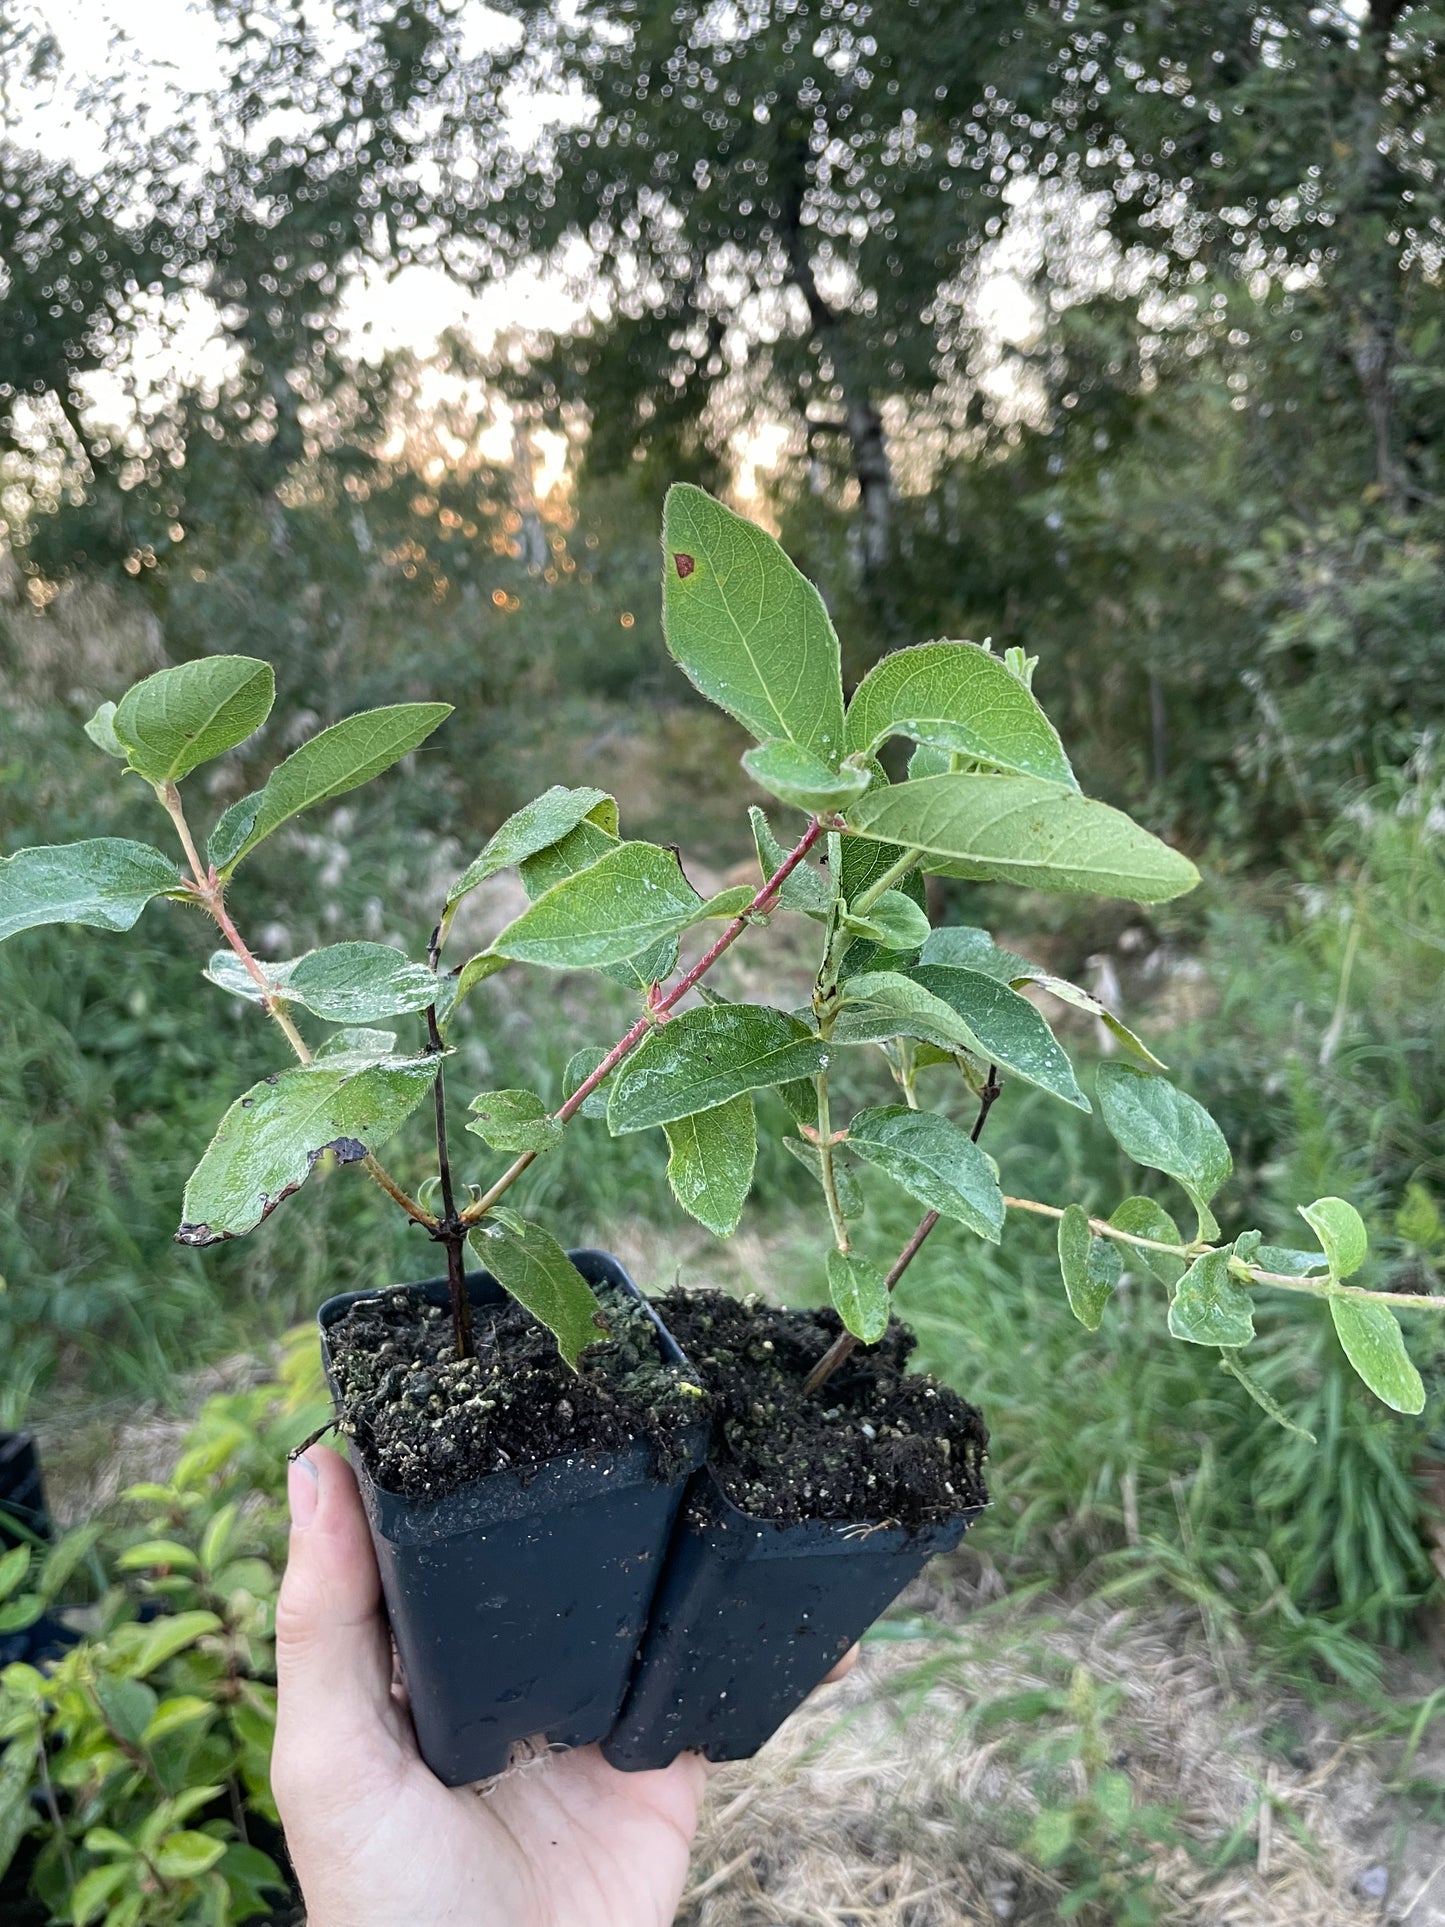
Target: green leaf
514, 1121
105, 882
13, 1567
955, 696
1209, 1307
1166, 1130
580, 1067
186, 1856
1005, 1028
346, 983
747, 628
804, 890
1016, 829
355, 1040
164, 1638
934, 1161
1288, 1262
129, 1706
1341, 1232
1229, 1362
710, 1162
157, 1552
340, 759
799, 777
1375, 1346
701, 1058
965, 947
727, 903
93, 1890
620, 904
539, 824
475, 971
534, 1268
650, 966
846, 1187
101, 731
1091, 1266
1068, 993
578, 850
1145, 1219
860, 1295
894, 922
800, 1095
271, 1138
181, 717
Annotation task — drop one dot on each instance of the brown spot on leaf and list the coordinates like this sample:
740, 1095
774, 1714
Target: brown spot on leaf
685, 564
199, 1234
346, 1150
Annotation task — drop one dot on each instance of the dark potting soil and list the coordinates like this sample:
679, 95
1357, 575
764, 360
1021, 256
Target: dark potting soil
875, 1443
428, 1423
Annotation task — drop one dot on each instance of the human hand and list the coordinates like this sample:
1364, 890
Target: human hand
375, 1838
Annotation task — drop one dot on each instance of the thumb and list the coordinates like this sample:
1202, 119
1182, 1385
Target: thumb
333, 1650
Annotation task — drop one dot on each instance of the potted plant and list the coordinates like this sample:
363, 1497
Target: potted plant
525, 1434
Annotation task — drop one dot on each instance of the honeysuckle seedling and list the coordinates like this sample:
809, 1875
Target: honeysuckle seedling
989, 795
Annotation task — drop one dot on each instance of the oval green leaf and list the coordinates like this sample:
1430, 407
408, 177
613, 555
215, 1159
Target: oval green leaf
934, 1161
701, 1058
798, 777
710, 1162
893, 921
1209, 1307
1375, 1346
270, 1139
1016, 829
539, 824
955, 696
1166, 1130
105, 882
747, 628
514, 1121
1091, 1267
1006, 1028
181, 717
340, 759
345, 983
1144, 1219
632, 896
1341, 1232
859, 1293
529, 1263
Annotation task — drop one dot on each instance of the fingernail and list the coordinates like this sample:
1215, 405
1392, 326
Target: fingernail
303, 1489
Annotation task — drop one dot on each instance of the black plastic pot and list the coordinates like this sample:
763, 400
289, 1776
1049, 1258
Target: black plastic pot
22, 1494
750, 1617
517, 1603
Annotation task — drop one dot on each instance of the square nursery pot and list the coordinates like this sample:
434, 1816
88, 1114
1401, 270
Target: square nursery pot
517, 1603
751, 1615
23, 1514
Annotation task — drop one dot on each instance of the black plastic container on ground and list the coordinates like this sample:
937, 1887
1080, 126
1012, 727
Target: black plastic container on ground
751, 1616
517, 1603
22, 1493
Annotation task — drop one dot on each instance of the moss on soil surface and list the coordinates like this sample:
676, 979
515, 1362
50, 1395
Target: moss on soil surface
428, 1423
877, 1442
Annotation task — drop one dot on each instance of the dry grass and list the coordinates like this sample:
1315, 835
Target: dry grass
855, 1816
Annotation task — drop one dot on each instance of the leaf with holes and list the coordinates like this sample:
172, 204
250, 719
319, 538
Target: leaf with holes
1091, 1266
859, 1293
631, 897
934, 1161
182, 717
271, 1139
529, 1263
536, 827
1166, 1130
747, 628
337, 761
1209, 1307
1016, 829
105, 883
701, 1058
710, 1162
513, 1121
1375, 1346
955, 696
